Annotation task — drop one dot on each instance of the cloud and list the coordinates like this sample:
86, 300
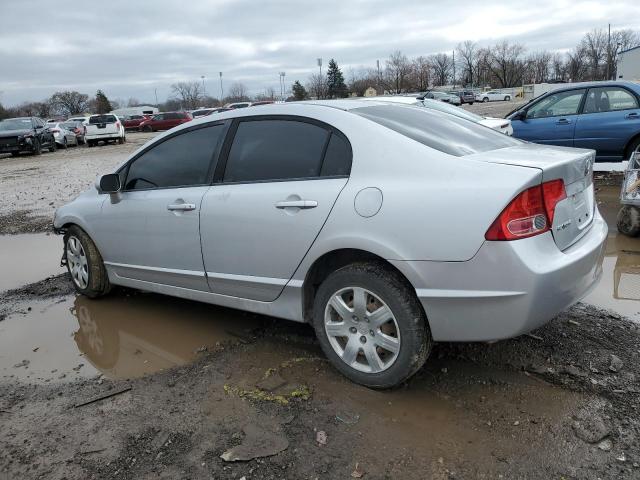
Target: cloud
132, 48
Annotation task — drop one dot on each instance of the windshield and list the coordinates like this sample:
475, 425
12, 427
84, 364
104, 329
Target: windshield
448, 108
102, 119
440, 131
15, 124
69, 125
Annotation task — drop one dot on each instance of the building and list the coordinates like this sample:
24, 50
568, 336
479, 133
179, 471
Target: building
629, 64
140, 110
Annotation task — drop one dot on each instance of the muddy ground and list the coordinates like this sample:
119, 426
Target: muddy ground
142, 386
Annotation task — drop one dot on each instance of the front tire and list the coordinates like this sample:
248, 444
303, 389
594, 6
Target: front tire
84, 264
64, 144
485, 100
507, 98
53, 147
370, 325
37, 148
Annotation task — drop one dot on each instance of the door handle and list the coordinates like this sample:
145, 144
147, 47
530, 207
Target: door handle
297, 204
182, 207
563, 121
632, 116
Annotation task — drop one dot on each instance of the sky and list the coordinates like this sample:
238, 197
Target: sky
135, 48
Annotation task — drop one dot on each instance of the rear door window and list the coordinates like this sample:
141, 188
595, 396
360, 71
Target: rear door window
440, 131
181, 160
609, 99
275, 150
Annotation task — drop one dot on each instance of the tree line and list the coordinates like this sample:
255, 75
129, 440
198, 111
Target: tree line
502, 65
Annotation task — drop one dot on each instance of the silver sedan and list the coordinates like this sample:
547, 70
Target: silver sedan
387, 227
64, 137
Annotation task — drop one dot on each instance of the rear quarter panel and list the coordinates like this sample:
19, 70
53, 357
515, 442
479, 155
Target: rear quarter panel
435, 206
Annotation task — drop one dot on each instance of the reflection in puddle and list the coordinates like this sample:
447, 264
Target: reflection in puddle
119, 336
28, 258
619, 289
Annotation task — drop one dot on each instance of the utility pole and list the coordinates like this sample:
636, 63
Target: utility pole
221, 89
379, 78
155, 91
609, 53
204, 91
454, 69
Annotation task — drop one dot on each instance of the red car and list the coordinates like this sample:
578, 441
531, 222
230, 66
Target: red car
132, 122
164, 121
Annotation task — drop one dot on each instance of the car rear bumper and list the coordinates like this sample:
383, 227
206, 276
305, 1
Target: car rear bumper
507, 288
101, 136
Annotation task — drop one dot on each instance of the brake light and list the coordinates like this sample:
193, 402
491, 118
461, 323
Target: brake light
117, 124
530, 213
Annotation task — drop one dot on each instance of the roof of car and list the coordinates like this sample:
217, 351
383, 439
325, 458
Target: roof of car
609, 83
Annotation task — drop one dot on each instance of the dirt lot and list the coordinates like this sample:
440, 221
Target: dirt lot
140, 386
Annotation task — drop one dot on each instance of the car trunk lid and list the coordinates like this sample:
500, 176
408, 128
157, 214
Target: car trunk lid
574, 214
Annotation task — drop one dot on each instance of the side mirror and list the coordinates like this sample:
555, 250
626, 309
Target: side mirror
110, 183
519, 115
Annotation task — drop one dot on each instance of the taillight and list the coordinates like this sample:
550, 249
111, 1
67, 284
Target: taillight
118, 125
530, 213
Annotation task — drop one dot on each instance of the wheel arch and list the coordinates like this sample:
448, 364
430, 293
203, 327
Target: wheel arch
626, 152
331, 261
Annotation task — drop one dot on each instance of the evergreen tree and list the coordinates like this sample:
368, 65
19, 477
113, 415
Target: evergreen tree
102, 103
335, 81
299, 92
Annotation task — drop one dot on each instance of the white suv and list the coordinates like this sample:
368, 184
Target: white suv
104, 127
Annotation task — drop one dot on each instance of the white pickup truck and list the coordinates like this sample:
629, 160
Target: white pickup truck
104, 127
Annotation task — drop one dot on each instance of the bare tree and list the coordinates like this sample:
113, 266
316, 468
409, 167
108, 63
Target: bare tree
442, 66
188, 93
576, 67
468, 55
539, 64
506, 64
238, 92
317, 86
397, 70
594, 44
69, 102
558, 67
421, 73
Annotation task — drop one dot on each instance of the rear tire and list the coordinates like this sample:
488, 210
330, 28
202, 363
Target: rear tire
405, 328
89, 143
147, 128
470, 103
120, 140
85, 264
507, 98
629, 221
64, 144
485, 100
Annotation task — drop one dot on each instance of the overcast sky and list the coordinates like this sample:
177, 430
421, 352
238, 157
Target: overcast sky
128, 48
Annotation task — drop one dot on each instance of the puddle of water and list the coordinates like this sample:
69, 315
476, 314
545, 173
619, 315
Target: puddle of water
619, 289
28, 258
119, 336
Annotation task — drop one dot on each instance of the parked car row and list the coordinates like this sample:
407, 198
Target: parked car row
26, 135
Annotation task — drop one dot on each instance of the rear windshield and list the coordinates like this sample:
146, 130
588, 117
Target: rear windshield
69, 125
440, 131
103, 119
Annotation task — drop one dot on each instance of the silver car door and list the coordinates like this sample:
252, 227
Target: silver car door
150, 231
278, 189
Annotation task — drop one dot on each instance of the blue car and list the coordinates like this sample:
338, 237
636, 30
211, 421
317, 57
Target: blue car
604, 116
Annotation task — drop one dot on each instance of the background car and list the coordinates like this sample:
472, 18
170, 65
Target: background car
132, 122
25, 134
604, 116
78, 128
164, 121
84, 119
106, 127
443, 97
492, 96
233, 106
201, 112
262, 102
63, 135
499, 124
466, 96
386, 227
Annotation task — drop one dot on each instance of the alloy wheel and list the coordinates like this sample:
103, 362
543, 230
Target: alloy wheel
362, 330
77, 261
